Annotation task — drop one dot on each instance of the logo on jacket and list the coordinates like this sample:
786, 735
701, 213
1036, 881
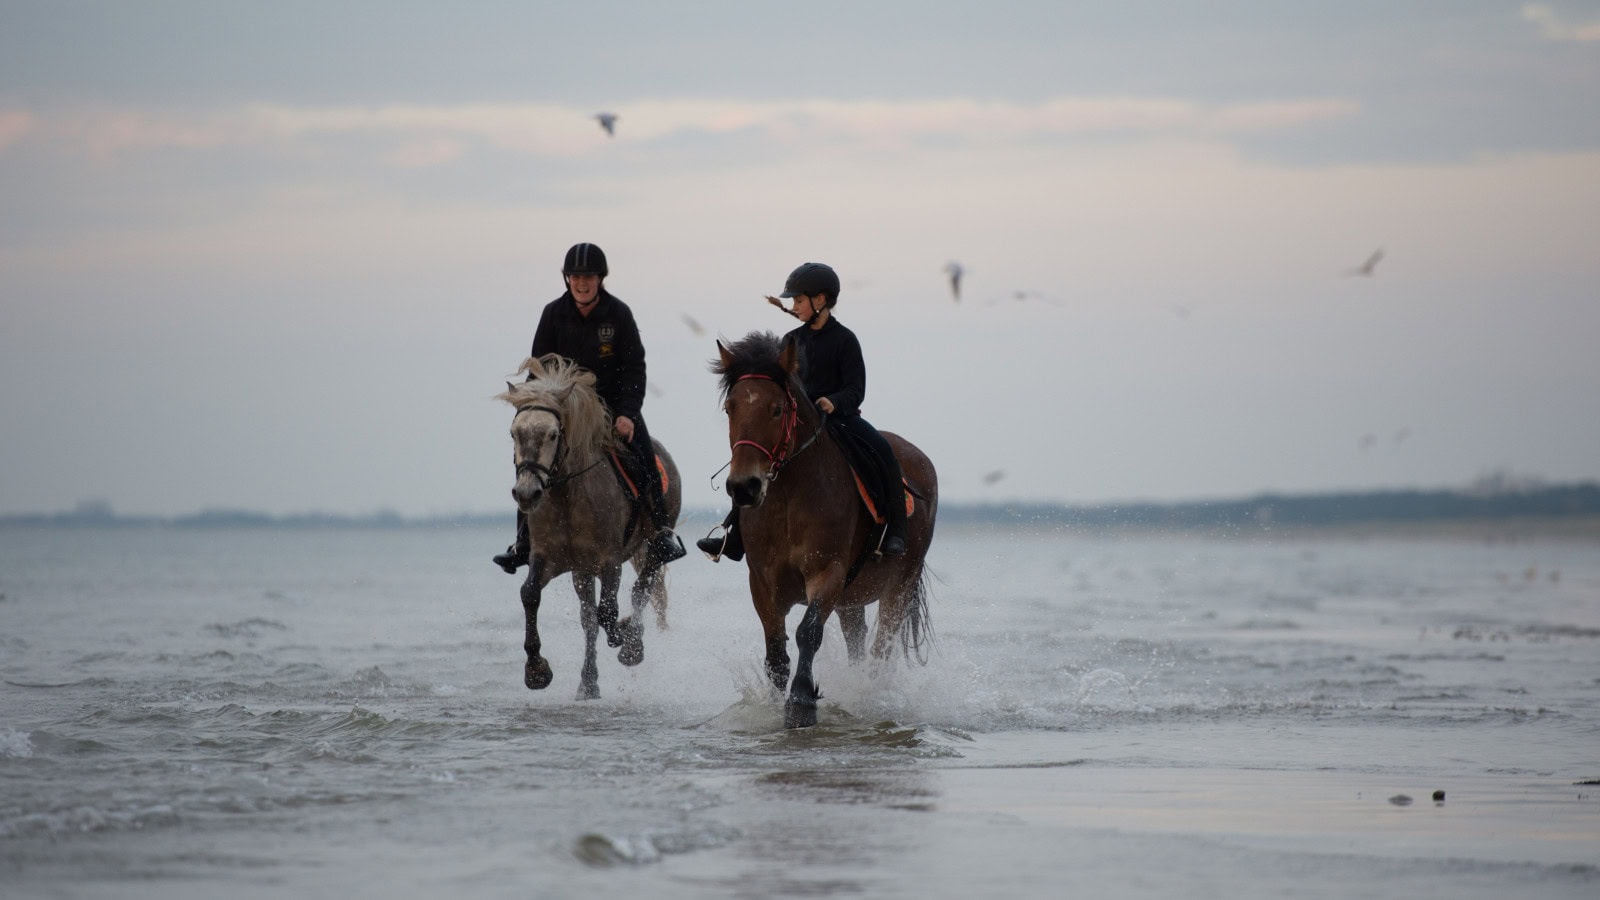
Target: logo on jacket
606, 332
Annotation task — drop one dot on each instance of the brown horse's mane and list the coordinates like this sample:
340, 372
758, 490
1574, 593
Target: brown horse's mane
554, 380
757, 354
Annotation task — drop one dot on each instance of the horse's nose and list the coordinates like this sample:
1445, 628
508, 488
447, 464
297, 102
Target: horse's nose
745, 491
526, 498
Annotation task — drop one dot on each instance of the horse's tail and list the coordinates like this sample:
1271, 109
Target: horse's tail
916, 622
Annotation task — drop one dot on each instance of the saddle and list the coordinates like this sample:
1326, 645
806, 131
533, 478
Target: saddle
626, 480
872, 507
631, 489
868, 471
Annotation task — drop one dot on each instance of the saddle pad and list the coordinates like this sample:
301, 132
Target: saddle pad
633, 489
872, 508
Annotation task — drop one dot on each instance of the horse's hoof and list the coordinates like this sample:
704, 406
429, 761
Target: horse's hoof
799, 715
617, 634
537, 675
588, 692
632, 652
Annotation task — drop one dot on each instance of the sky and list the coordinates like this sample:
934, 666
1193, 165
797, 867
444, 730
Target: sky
282, 256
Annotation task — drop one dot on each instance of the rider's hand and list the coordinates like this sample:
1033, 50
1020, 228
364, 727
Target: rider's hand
624, 427
825, 405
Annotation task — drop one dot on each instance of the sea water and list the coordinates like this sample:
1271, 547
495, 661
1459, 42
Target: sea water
340, 712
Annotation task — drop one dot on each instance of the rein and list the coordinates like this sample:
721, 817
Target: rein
549, 473
784, 451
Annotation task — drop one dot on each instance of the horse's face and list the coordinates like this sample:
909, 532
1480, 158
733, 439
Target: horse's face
758, 431
536, 446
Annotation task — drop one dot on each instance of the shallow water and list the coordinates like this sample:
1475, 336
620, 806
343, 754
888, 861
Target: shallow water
336, 712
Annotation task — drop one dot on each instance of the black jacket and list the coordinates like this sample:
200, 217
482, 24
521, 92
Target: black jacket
606, 343
831, 366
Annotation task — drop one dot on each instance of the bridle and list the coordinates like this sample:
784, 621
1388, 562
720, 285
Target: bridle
547, 474
781, 453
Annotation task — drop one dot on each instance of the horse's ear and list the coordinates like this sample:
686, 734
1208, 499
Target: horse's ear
789, 358
565, 392
727, 358
510, 386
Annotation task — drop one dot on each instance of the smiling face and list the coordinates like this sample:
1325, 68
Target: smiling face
585, 289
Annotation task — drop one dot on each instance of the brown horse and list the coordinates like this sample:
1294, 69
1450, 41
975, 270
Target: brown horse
806, 530
579, 516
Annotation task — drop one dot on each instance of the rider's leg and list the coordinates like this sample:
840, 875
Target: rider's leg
664, 544
891, 487
516, 555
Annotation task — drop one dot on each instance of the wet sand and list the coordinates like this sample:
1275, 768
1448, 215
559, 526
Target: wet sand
1063, 830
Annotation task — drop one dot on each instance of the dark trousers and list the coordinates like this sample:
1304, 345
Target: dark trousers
880, 469
640, 461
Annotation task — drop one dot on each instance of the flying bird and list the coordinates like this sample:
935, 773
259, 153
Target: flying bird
608, 121
955, 271
1021, 295
1367, 268
693, 325
992, 477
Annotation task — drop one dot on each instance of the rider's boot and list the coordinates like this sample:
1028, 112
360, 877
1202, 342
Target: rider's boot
894, 533
516, 555
729, 544
664, 545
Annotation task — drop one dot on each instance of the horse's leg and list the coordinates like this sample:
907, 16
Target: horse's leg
822, 591
589, 616
773, 628
610, 588
658, 597
629, 634
608, 606
801, 709
853, 622
536, 672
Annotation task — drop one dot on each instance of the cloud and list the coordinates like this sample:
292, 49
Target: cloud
1553, 28
435, 135
14, 126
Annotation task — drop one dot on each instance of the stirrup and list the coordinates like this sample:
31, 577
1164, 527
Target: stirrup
666, 546
511, 560
713, 547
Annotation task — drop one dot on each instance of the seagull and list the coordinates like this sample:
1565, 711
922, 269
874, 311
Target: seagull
992, 477
1020, 295
1366, 269
955, 270
693, 325
608, 121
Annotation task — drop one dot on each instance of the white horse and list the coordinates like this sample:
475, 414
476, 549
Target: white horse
580, 518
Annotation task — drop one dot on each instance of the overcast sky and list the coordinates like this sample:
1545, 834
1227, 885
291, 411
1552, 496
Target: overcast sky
280, 256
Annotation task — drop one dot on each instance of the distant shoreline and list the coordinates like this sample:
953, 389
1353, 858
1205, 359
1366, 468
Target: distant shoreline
1571, 511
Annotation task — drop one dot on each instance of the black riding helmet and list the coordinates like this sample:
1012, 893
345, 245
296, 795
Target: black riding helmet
812, 279
585, 259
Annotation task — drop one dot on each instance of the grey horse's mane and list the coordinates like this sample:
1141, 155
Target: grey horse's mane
556, 381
